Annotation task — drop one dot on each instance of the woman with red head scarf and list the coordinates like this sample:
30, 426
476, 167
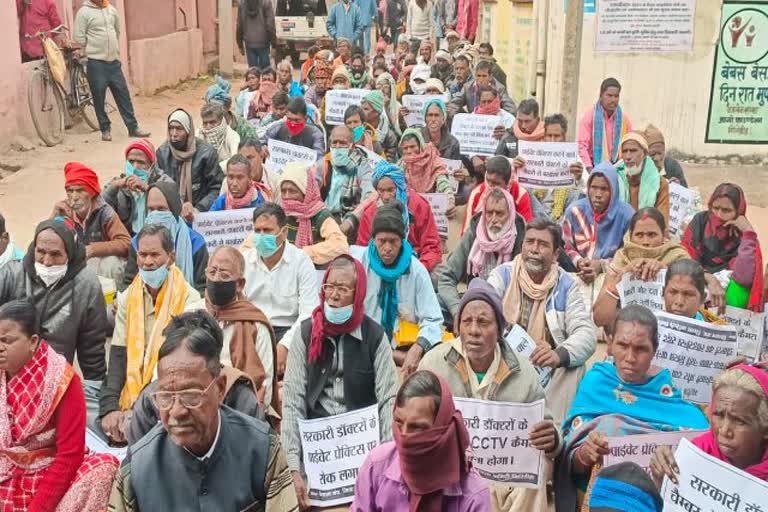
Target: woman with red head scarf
721, 238
428, 457
338, 344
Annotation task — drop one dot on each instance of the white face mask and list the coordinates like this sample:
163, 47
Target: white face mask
50, 275
633, 171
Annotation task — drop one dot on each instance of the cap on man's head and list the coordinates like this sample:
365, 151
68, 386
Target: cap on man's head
624, 487
143, 145
389, 219
636, 136
181, 117
76, 173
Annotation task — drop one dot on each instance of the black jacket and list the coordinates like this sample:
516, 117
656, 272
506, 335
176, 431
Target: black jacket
207, 175
256, 27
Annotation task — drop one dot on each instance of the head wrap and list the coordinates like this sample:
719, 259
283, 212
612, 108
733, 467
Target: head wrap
479, 289
341, 72
434, 459
376, 99
385, 169
436, 100
183, 118
636, 136
322, 328
420, 72
180, 231
623, 487
219, 92
144, 145
302, 175
707, 442
435, 83
184, 155
442, 54
393, 110
423, 168
653, 135
389, 218
484, 247
76, 173
65, 229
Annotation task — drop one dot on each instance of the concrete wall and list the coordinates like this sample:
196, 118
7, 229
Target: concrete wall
669, 90
164, 61
146, 19
14, 113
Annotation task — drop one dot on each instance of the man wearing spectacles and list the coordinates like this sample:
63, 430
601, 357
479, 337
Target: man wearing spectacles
203, 455
342, 362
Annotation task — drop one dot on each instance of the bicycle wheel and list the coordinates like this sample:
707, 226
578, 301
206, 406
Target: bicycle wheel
83, 96
46, 106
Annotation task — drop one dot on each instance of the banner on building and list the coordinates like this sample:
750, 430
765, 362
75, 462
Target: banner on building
738, 99
629, 26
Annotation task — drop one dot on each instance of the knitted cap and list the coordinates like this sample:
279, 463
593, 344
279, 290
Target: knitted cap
143, 145
479, 289
636, 136
624, 487
653, 135
376, 99
389, 218
181, 117
435, 83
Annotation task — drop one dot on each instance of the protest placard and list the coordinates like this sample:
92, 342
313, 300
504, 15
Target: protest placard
226, 227
475, 133
639, 448
97, 445
498, 433
281, 153
333, 449
452, 166
546, 164
708, 484
694, 352
750, 330
646, 293
439, 204
337, 101
518, 340
414, 103
682, 203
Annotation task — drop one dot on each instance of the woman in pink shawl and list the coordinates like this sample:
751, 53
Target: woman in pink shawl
44, 463
739, 425
311, 226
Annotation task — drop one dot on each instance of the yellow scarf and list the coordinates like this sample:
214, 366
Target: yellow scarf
142, 353
666, 253
520, 281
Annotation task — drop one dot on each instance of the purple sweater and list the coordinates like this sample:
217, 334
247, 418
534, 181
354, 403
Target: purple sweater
380, 486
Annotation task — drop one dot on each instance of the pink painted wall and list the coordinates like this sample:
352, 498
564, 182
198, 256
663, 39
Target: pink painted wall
14, 114
164, 61
149, 18
207, 14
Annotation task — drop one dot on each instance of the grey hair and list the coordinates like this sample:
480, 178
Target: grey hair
739, 379
236, 255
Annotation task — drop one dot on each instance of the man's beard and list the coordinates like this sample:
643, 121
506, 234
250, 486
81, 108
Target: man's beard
495, 232
533, 265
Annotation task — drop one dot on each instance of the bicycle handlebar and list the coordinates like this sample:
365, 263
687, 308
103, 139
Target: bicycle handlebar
44, 33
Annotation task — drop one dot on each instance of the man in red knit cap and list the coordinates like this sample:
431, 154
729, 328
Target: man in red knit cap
98, 227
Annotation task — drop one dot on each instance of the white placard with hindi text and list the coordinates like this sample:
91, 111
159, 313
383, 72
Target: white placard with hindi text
281, 153
682, 203
708, 484
225, 227
452, 166
546, 164
639, 448
337, 101
439, 204
750, 330
518, 340
97, 445
645, 293
475, 133
498, 433
333, 450
694, 352
414, 103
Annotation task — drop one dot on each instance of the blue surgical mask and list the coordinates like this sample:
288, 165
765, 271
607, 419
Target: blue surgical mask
164, 218
340, 157
265, 244
337, 316
358, 132
130, 170
154, 278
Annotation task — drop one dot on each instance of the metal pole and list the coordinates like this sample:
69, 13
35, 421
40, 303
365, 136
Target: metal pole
226, 39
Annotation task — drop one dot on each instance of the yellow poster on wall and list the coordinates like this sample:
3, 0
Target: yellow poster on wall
508, 27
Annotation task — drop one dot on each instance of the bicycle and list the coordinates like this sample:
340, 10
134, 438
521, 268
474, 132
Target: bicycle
49, 101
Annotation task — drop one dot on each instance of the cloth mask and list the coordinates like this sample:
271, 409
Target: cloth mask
419, 89
164, 218
154, 278
358, 132
265, 244
221, 293
294, 128
337, 316
50, 275
130, 170
340, 157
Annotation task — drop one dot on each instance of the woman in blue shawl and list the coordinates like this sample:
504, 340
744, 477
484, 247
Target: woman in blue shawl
619, 398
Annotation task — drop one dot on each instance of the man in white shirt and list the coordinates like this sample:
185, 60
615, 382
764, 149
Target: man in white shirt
279, 278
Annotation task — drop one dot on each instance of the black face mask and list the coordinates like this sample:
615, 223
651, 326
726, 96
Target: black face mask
179, 145
221, 293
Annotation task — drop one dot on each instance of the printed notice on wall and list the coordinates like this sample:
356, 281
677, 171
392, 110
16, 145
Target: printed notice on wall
694, 352
333, 450
706, 483
498, 433
643, 26
546, 164
226, 227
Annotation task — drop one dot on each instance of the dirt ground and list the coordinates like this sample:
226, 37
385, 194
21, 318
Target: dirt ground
27, 195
